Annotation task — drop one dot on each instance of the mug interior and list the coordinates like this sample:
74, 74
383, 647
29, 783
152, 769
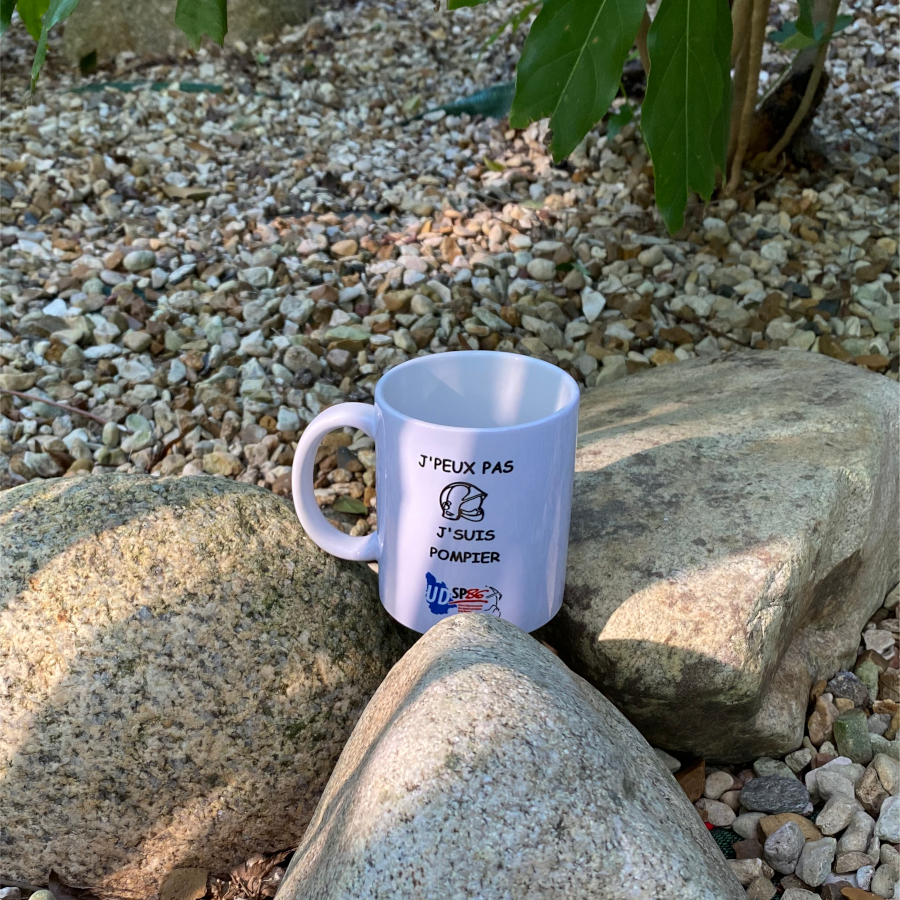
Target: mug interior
477, 389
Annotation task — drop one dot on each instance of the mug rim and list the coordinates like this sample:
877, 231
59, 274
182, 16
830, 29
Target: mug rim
520, 360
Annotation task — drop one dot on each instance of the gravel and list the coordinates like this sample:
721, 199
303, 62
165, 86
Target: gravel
847, 831
209, 270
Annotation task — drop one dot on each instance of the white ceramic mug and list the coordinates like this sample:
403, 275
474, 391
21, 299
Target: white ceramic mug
474, 468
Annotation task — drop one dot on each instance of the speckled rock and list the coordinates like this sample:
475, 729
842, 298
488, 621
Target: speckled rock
774, 794
110, 26
181, 668
733, 528
782, 847
815, 861
849, 686
484, 767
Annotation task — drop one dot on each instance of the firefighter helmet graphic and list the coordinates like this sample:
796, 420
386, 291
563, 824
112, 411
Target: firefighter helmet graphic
461, 500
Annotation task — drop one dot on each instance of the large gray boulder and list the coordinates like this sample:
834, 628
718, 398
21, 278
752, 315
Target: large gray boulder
180, 669
735, 523
111, 26
484, 768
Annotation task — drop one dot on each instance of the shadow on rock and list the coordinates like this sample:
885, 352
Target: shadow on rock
734, 525
181, 669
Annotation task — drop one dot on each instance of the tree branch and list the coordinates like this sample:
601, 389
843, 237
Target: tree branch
73, 410
740, 19
740, 25
754, 63
641, 41
811, 87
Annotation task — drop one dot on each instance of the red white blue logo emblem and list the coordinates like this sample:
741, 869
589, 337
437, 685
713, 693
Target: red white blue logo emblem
442, 600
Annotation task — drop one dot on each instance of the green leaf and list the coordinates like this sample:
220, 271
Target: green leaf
349, 505
57, 11
6, 11
618, 120
583, 269
685, 92
493, 165
790, 37
459, 4
805, 19
841, 22
31, 12
198, 17
571, 65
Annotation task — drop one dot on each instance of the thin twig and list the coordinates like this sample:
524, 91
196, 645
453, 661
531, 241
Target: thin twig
772, 178
728, 337
641, 41
885, 148
754, 63
74, 410
167, 447
769, 91
811, 88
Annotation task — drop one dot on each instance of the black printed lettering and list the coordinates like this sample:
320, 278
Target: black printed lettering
464, 556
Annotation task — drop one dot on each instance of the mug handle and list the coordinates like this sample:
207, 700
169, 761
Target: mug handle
359, 415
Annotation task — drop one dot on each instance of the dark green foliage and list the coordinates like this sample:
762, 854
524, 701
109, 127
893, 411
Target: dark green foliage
571, 66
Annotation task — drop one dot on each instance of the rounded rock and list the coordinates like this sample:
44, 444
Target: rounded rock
138, 260
816, 857
421, 305
747, 825
716, 785
651, 257
463, 748
211, 662
774, 794
718, 814
111, 435
783, 847
542, 269
847, 685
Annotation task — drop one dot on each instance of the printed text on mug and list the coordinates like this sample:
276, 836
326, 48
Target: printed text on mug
463, 467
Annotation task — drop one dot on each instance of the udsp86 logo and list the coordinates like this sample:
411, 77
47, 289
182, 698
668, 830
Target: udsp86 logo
442, 599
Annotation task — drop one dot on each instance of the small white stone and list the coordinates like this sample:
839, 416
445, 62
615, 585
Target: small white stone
288, 420
878, 640
56, 307
780, 329
701, 304
592, 304
619, 330
716, 785
717, 813
774, 251
177, 372
651, 257
715, 230
542, 269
